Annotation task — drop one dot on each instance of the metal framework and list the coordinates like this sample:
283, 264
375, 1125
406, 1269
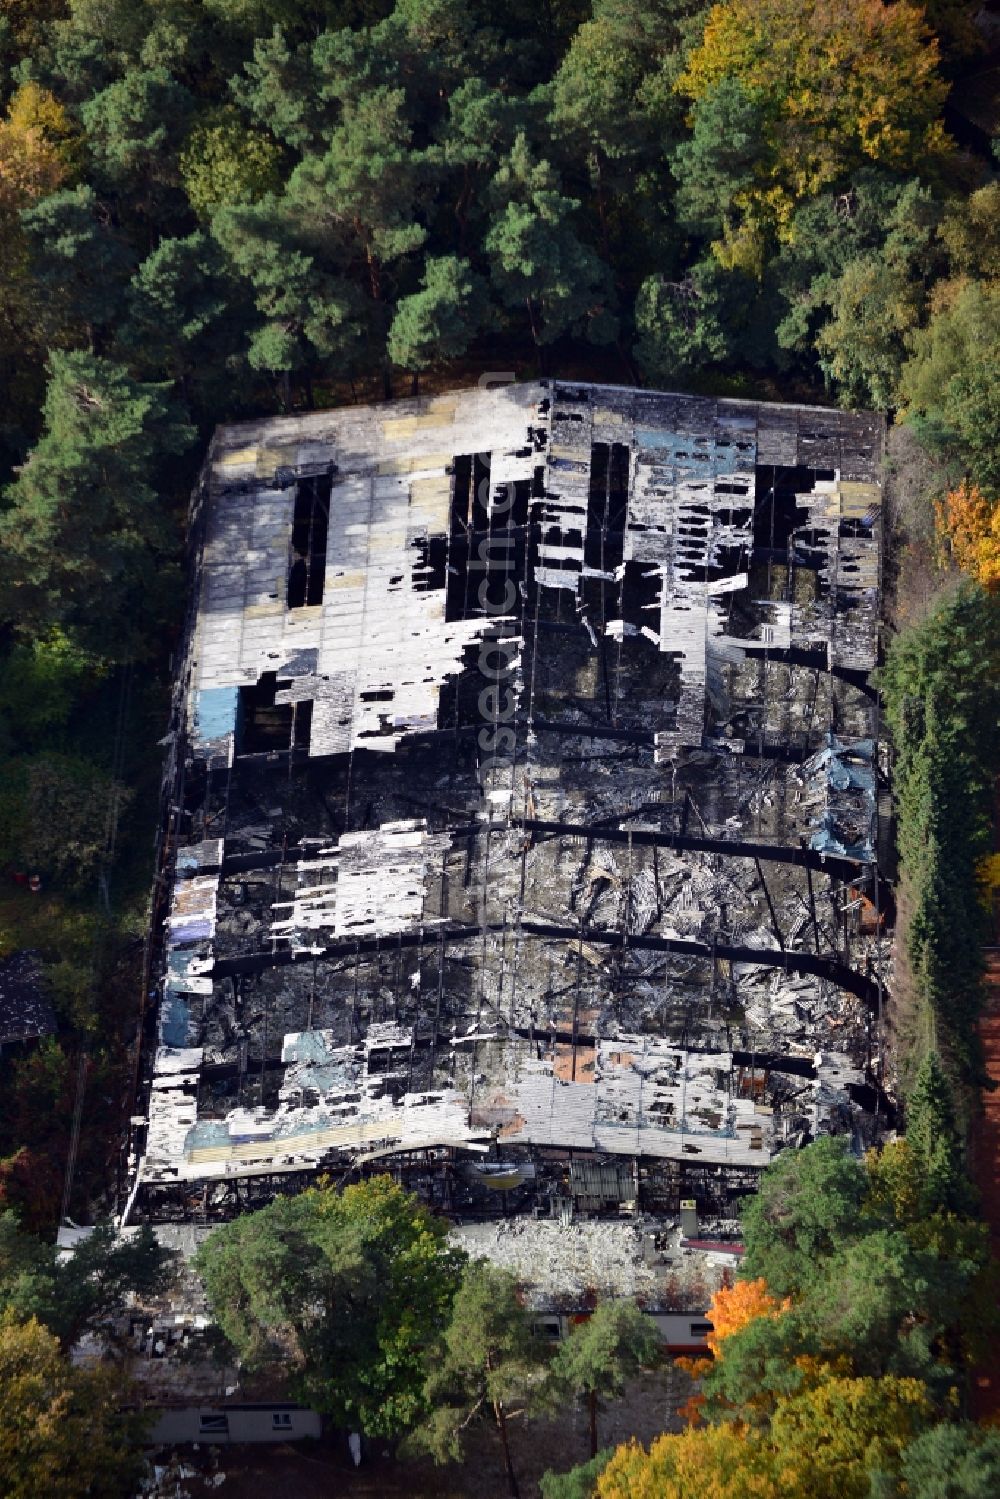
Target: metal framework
522, 793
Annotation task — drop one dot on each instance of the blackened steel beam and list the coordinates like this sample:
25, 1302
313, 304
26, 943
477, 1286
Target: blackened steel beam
776, 853
792, 962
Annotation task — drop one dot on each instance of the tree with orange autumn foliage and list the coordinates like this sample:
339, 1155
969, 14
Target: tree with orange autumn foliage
971, 525
733, 1307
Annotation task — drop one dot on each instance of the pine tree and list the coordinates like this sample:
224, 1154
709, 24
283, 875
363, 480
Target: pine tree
487, 1363
80, 264
602, 1353
440, 321
537, 260
934, 1138
85, 540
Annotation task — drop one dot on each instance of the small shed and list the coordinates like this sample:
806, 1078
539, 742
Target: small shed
235, 1423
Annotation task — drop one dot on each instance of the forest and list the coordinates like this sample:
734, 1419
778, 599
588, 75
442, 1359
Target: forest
216, 209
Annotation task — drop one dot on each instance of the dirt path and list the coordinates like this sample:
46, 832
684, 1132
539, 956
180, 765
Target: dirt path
986, 1171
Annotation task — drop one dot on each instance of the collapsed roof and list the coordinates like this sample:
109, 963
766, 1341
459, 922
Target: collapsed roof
524, 793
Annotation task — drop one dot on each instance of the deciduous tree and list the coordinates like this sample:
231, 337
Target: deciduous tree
61, 1431
874, 305
57, 822
828, 1441
825, 1442
350, 1289
734, 1307
972, 526
718, 1462
225, 160
839, 83
950, 385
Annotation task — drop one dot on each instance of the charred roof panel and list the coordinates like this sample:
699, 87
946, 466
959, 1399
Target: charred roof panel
610, 648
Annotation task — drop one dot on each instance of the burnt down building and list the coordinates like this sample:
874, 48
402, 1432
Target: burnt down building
520, 827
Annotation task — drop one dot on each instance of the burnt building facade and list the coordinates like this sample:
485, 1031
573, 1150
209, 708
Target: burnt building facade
521, 819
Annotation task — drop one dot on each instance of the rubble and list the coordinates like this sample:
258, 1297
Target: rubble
521, 806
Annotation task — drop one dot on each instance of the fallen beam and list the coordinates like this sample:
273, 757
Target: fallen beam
816, 964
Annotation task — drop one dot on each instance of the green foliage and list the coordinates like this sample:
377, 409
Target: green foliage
579, 1482
883, 1278
62, 1430
303, 311
807, 1205
83, 533
934, 1138
486, 1362
55, 815
724, 157
39, 685
873, 306
953, 1462
761, 1366
132, 123
224, 160
613, 108
940, 695
886, 1304
80, 265
951, 381
882, 219
360, 195
970, 233
838, 85
889, 1296
537, 261
616, 1341
440, 321
684, 326
369, 173
350, 1289
180, 304
89, 1287
239, 201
